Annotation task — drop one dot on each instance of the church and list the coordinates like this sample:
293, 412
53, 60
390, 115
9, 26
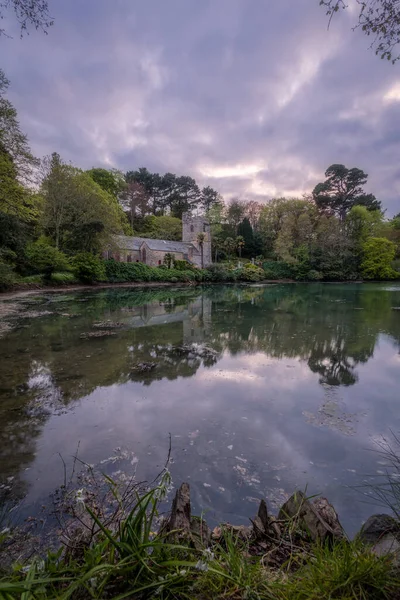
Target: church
152, 252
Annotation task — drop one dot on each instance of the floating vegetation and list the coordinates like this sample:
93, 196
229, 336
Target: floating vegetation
96, 334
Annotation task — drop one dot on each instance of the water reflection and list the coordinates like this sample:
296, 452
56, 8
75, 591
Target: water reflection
261, 342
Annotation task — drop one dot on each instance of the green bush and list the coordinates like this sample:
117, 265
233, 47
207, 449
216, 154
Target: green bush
251, 272
7, 276
88, 268
219, 273
37, 279
117, 272
278, 270
183, 265
378, 255
314, 275
62, 278
44, 258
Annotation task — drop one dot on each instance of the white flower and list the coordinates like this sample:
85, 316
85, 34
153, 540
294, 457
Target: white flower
80, 497
183, 572
26, 569
201, 566
5, 531
208, 554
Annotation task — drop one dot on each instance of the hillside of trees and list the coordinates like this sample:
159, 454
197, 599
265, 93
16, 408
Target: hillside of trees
55, 220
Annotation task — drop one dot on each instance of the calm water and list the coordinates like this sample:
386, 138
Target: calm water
285, 386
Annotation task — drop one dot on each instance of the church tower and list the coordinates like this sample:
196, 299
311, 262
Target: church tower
191, 227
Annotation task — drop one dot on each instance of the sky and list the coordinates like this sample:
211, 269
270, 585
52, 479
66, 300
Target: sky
253, 97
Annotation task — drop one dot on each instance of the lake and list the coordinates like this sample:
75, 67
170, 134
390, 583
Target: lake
261, 389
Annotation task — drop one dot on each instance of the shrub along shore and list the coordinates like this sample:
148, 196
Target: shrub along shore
124, 549
87, 269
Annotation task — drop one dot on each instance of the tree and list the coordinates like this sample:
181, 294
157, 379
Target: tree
200, 240
378, 255
78, 214
161, 228
135, 200
28, 13
245, 231
229, 245
377, 18
343, 189
240, 244
110, 180
186, 197
209, 198
362, 224
45, 258
169, 260
12, 141
235, 214
253, 212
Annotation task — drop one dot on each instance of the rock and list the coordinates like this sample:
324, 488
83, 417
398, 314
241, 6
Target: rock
309, 517
377, 527
388, 544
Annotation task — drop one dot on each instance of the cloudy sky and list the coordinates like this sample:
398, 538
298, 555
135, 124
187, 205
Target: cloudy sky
253, 97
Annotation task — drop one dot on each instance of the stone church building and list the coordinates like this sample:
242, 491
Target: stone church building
152, 252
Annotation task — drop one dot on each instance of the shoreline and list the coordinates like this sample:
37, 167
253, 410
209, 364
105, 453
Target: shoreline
21, 291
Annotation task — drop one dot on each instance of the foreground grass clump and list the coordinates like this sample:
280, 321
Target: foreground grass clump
127, 552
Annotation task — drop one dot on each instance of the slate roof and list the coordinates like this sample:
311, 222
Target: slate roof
134, 243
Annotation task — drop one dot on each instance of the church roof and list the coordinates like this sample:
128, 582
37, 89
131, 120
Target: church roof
134, 243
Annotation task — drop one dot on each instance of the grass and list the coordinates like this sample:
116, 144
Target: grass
123, 556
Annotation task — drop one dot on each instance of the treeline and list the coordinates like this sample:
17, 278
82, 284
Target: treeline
55, 217
55, 220
338, 232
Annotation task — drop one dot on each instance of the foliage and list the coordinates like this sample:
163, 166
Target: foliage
229, 245
127, 557
183, 265
251, 272
63, 278
88, 268
29, 13
171, 194
378, 254
7, 275
345, 571
117, 272
169, 260
12, 141
161, 228
377, 18
110, 180
278, 270
219, 273
78, 214
44, 258
343, 189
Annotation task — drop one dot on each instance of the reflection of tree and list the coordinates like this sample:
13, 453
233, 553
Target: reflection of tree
331, 328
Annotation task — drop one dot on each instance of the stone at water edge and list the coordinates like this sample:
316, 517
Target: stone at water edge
319, 518
377, 526
388, 544
383, 533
